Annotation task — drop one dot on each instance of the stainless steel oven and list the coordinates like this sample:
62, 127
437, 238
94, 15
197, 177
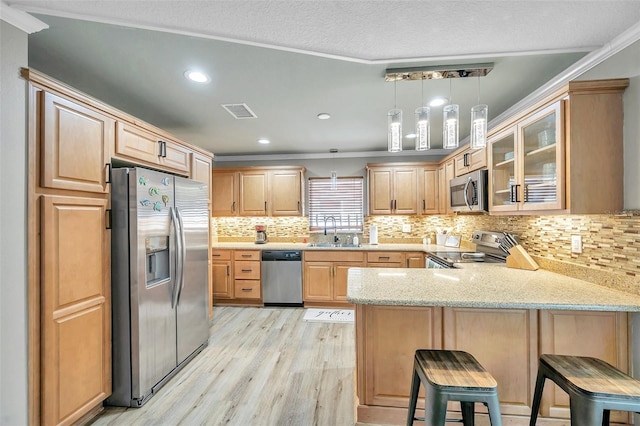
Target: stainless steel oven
468, 193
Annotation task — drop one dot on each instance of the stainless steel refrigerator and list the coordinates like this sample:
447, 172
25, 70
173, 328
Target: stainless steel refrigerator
159, 288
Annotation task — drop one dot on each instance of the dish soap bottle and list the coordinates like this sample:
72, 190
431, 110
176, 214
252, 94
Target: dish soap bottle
355, 240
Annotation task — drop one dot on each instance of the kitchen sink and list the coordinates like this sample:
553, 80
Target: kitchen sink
334, 245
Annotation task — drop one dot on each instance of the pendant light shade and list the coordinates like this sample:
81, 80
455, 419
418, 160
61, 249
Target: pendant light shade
479, 117
423, 123
450, 126
394, 124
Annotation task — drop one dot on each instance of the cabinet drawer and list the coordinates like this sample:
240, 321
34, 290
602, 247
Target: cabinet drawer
333, 256
249, 270
385, 257
247, 289
221, 255
246, 255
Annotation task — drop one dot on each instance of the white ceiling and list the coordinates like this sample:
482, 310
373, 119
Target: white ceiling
290, 60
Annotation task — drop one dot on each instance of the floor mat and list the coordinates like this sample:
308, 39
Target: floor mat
329, 315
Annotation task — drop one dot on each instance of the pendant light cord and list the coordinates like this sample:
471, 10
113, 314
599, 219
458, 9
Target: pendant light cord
478, 90
395, 94
450, 93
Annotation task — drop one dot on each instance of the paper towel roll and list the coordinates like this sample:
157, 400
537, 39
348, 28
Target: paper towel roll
373, 234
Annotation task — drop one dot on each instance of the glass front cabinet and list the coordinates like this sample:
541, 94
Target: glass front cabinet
526, 162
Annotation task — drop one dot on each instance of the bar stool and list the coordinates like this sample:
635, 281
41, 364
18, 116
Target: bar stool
452, 376
594, 388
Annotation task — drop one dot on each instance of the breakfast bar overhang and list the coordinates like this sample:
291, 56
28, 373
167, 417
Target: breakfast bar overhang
505, 317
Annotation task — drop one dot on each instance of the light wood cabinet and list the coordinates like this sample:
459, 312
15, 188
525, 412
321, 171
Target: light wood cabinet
76, 307
385, 259
510, 354
225, 190
137, 145
445, 174
387, 338
255, 191
429, 190
393, 190
75, 146
603, 335
286, 192
246, 274
221, 274
470, 160
564, 155
414, 259
325, 276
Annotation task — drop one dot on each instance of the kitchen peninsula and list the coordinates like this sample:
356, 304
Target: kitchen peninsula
505, 317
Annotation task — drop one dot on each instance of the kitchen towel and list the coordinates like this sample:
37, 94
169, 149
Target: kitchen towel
329, 315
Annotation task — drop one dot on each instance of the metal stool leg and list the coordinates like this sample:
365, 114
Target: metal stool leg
435, 407
467, 413
585, 412
413, 398
537, 397
493, 405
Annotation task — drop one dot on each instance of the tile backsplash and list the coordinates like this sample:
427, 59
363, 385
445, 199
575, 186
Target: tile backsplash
610, 243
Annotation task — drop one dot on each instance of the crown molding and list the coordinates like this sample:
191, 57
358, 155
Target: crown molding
20, 19
588, 62
437, 153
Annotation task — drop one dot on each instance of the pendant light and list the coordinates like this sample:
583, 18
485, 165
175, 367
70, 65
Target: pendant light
394, 124
479, 119
450, 124
423, 137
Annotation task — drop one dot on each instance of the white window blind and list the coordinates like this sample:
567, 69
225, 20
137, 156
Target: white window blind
342, 198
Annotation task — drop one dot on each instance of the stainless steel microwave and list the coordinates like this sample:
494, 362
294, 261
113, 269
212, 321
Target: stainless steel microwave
468, 193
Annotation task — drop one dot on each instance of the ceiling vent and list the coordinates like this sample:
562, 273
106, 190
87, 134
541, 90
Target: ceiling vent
239, 111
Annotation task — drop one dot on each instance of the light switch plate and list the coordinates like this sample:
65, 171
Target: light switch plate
576, 244
406, 227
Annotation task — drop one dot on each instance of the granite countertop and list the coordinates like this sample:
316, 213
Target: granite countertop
483, 286
305, 246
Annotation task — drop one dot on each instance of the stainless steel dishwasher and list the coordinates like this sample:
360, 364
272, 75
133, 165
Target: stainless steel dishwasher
282, 277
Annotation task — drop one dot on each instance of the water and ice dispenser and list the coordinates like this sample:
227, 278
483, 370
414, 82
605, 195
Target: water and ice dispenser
157, 249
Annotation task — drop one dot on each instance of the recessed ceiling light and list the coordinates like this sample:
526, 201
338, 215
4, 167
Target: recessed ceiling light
197, 76
324, 116
438, 102
410, 136
264, 141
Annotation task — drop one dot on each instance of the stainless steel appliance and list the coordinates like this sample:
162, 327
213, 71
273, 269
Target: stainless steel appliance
487, 251
159, 256
282, 277
469, 192
261, 234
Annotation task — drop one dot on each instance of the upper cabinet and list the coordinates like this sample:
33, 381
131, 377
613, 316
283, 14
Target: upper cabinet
143, 147
403, 188
258, 191
563, 156
393, 190
75, 145
470, 160
445, 174
429, 190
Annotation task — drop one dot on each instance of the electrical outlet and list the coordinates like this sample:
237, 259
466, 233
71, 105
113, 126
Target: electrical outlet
576, 244
406, 227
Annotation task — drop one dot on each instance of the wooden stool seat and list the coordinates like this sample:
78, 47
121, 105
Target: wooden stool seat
452, 376
594, 387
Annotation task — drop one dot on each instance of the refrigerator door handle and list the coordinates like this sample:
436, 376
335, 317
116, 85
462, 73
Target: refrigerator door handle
178, 250
183, 255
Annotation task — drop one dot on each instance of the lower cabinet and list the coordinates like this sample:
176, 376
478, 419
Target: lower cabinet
325, 276
236, 276
246, 274
386, 339
75, 291
602, 335
221, 274
507, 342
504, 342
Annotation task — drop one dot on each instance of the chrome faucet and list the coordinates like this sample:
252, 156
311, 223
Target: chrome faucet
335, 228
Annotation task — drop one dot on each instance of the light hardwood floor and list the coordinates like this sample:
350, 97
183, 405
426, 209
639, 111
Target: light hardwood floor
263, 366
